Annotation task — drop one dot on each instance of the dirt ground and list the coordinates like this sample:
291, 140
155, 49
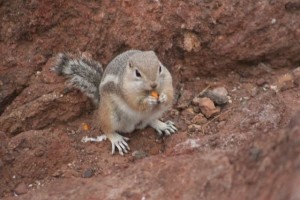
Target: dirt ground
248, 149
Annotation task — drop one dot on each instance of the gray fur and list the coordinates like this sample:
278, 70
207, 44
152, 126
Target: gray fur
84, 74
116, 67
121, 60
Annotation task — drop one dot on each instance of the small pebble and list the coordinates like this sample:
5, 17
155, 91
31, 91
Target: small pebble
221, 124
199, 119
195, 101
1, 163
39, 152
265, 164
254, 92
194, 127
266, 87
296, 74
21, 189
1, 84
196, 109
184, 100
139, 154
255, 153
261, 82
218, 95
88, 173
295, 121
285, 82
57, 173
273, 21
188, 113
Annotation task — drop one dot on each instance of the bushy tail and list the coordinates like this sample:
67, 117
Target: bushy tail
83, 73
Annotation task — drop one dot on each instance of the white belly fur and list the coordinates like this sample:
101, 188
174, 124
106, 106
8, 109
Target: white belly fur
132, 119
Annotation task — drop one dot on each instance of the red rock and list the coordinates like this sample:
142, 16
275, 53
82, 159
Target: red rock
154, 25
28, 110
207, 107
191, 174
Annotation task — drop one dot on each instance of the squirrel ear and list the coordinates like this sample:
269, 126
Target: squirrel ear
130, 65
160, 66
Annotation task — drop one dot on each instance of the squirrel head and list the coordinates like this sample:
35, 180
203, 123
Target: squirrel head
144, 73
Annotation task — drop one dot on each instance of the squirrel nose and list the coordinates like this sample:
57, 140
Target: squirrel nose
153, 85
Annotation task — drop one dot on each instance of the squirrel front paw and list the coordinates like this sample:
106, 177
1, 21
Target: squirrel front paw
119, 141
162, 98
151, 100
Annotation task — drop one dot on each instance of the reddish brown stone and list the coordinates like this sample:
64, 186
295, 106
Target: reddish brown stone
207, 107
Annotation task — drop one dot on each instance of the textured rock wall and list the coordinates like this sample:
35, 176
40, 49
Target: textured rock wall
193, 38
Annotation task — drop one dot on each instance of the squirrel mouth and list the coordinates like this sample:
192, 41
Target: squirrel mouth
155, 95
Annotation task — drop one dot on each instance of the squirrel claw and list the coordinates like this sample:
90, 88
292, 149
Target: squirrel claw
166, 128
119, 142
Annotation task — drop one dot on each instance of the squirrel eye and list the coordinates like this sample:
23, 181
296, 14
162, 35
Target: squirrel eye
159, 69
138, 74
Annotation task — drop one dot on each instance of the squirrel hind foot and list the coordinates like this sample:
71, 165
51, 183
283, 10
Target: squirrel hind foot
119, 141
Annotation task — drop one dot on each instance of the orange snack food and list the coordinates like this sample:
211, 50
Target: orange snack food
85, 127
154, 94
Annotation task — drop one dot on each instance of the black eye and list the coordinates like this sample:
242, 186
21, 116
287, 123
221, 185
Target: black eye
159, 69
137, 73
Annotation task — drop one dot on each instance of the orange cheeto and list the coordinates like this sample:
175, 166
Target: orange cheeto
154, 94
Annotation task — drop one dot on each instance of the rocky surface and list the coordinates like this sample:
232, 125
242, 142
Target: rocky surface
249, 150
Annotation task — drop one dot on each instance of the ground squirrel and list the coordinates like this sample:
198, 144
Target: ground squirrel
133, 92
